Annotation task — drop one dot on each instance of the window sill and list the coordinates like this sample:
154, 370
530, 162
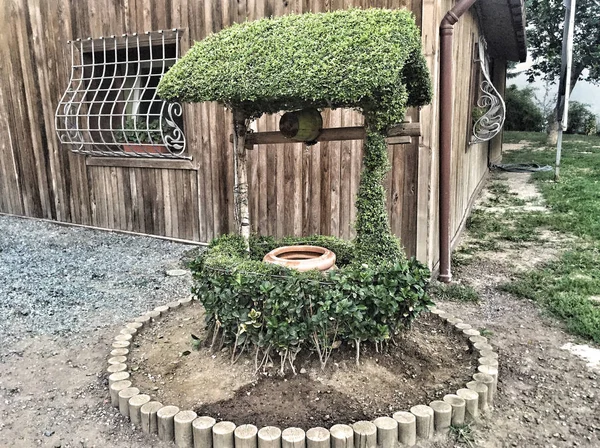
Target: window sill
126, 162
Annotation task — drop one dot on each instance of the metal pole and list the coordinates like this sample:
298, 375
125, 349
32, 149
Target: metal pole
564, 89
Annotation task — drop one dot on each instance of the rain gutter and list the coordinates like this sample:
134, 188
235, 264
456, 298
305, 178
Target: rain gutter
446, 103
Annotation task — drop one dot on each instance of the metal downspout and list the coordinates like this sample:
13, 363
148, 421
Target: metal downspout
446, 105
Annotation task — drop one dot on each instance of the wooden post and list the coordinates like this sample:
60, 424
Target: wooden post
241, 175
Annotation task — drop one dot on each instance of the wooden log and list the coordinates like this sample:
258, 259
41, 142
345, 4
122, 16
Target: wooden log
454, 320
293, 438
477, 339
114, 368
123, 337
407, 428
120, 360
424, 419
342, 436
165, 418
115, 388
458, 409
223, 434
488, 380
387, 432
135, 325
148, 416
130, 331
332, 134
246, 436
154, 315
484, 361
144, 320
118, 376
162, 309
482, 346
124, 396
483, 353
489, 370
135, 407
471, 403
202, 430
482, 392
119, 352
269, 437
442, 415
184, 436
469, 332
318, 438
365, 434
241, 175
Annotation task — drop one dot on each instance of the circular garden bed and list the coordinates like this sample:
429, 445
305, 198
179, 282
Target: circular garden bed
162, 380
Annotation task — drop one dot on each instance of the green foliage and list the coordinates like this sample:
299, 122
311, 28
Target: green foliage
267, 307
454, 292
581, 119
522, 113
374, 240
546, 17
369, 60
140, 131
565, 286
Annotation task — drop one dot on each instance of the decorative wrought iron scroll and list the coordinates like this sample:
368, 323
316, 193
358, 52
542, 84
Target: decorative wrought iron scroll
111, 108
491, 122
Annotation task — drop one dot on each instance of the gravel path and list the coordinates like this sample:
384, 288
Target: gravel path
62, 280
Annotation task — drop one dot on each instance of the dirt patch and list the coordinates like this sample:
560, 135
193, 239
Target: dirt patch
547, 396
427, 362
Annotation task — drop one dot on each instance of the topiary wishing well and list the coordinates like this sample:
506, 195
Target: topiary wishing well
368, 60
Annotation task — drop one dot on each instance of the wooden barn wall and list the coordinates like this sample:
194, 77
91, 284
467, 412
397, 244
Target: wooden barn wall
469, 162
293, 190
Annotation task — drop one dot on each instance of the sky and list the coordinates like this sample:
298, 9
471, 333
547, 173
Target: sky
584, 92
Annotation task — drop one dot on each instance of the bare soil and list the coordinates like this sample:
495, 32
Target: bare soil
53, 389
427, 362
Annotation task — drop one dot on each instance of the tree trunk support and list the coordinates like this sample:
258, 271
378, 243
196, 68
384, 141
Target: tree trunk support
240, 125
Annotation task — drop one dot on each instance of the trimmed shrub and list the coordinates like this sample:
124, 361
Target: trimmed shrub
369, 60
271, 309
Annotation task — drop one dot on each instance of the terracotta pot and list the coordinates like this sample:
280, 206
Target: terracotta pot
302, 258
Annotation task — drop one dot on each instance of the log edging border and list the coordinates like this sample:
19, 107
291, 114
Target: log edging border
189, 430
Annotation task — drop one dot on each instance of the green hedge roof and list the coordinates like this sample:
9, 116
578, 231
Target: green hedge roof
365, 59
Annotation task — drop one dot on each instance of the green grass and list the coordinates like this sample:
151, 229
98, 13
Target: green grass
454, 292
563, 286
463, 435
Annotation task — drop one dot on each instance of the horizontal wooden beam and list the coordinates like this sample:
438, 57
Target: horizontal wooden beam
138, 162
398, 134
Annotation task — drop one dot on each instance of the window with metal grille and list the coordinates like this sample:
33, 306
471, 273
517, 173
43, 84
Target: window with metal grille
111, 108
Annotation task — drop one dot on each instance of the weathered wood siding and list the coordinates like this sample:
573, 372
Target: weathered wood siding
469, 162
293, 190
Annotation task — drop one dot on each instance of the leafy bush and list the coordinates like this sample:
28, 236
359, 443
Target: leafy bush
272, 309
369, 60
522, 113
581, 119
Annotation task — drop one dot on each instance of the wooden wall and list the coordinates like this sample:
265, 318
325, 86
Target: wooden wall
293, 190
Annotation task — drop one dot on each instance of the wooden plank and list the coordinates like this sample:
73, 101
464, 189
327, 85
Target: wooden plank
131, 162
333, 134
325, 206
334, 176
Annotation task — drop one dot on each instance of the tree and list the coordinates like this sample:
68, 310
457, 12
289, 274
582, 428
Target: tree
522, 113
545, 18
581, 119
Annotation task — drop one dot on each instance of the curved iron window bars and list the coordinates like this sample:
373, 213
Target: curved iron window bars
490, 123
110, 107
